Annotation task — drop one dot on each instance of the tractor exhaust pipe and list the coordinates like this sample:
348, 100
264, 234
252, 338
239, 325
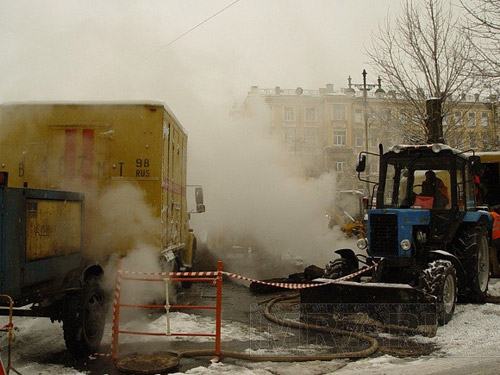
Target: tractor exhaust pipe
434, 121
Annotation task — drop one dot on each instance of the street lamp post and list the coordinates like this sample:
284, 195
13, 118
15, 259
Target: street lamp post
365, 87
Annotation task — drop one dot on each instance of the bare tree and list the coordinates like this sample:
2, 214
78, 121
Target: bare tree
423, 52
484, 27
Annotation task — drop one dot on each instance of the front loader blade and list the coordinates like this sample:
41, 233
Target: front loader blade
373, 306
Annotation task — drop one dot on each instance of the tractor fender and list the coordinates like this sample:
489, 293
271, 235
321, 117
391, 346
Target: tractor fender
442, 254
350, 256
480, 216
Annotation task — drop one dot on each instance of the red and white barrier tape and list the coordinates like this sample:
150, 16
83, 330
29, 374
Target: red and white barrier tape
301, 285
236, 276
172, 274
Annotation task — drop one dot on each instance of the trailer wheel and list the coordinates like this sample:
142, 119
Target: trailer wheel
84, 320
440, 280
473, 245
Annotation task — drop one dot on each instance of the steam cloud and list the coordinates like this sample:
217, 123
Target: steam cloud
255, 191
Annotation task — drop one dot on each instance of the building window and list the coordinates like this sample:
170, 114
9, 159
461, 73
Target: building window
403, 116
484, 119
445, 120
359, 139
472, 138
290, 136
486, 141
339, 166
358, 115
451, 140
374, 168
338, 112
310, 136
339, 138
472, 119
310, 114
289, 114
373, 141
458, 117
388, 114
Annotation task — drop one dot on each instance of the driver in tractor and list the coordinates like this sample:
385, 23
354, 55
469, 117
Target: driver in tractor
434, 187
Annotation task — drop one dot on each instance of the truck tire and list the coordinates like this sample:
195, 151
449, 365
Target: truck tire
440, 280
474, 251
84, 320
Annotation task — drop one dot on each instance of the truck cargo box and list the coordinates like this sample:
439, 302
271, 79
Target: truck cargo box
41, 235
97, 146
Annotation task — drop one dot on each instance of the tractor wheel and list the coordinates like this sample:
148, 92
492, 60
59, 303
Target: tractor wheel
84, 320
338, 268
440, 280
473, 245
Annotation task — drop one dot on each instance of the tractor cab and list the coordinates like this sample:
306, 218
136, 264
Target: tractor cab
423, 193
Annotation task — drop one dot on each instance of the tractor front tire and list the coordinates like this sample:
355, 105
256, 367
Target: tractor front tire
338, 268
440, 280
84, 320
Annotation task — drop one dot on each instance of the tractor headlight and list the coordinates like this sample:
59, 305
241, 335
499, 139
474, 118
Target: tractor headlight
405, 245
436, 147
396, 149
362, 243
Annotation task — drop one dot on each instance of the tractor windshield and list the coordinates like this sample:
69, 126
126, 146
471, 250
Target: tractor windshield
417, 183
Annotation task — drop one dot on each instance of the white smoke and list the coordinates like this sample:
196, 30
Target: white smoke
255, 189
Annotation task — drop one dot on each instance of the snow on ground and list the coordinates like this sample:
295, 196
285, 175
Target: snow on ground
494, 287
467, 344
269, 368
186, 323
34, 339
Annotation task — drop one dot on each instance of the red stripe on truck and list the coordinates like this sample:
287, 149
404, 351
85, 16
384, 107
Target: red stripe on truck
87, 152
70, 153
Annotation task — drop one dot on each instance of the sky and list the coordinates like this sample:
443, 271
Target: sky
200, 57
122, 49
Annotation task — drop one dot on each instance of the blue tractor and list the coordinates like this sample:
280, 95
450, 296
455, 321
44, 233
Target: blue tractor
425, 233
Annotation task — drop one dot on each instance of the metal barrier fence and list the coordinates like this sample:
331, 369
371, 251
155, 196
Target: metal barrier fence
8, 328
166, 277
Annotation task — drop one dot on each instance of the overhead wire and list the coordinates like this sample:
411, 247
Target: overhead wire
183, 35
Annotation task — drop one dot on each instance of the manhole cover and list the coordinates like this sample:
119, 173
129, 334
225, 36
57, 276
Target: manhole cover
155, 363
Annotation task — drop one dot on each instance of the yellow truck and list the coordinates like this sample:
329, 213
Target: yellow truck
95, 147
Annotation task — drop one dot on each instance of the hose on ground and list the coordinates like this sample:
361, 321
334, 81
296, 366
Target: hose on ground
373, 344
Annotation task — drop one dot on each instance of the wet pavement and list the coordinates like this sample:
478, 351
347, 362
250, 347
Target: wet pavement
239, 305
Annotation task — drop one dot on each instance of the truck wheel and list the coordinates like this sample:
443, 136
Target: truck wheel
475, 250
84, 320
440, 280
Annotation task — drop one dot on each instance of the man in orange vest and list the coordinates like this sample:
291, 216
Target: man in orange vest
495, 232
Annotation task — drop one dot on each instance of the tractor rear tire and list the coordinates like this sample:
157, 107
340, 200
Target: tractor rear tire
440, 280
473, 243
84, 320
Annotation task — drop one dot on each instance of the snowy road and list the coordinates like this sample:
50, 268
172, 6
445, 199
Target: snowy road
466, 345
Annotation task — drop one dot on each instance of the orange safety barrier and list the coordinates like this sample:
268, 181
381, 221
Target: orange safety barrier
168, 277
8, 328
